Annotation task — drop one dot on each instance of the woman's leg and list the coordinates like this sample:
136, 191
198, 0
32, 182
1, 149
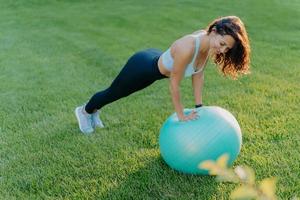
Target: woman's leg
140, 71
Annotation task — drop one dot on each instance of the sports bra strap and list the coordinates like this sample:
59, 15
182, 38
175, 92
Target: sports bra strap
196, 49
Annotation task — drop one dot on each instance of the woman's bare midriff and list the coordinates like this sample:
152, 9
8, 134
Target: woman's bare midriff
162, 68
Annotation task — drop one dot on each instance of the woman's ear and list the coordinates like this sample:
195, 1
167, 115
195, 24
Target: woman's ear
214, 30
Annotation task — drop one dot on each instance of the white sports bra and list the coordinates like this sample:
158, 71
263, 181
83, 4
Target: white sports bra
168, 60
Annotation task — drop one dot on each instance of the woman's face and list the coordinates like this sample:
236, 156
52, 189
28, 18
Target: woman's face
220, 44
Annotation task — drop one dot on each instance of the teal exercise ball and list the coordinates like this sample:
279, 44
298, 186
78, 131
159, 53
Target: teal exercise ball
185, 144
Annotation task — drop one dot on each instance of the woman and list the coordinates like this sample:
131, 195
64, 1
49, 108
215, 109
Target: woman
225, 40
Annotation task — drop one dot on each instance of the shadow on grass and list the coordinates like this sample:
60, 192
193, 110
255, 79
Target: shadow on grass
157, 181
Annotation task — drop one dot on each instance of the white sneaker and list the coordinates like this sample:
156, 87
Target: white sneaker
84, 120
96, 121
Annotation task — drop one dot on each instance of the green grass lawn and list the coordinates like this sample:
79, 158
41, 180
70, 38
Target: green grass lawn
55, 54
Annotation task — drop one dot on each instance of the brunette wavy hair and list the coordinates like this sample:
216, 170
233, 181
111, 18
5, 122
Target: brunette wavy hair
235, 61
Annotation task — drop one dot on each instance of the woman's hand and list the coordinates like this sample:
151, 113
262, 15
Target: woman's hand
191, 116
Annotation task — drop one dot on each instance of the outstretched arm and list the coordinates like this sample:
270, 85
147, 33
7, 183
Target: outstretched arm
181, 59
175, 79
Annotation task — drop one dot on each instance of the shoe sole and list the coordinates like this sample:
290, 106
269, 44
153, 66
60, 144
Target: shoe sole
78, 119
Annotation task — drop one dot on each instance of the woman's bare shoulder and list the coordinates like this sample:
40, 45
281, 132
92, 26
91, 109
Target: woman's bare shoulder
185, 42
199, 31
183, 48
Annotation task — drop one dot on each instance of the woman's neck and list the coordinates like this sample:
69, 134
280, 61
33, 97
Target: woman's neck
205, 43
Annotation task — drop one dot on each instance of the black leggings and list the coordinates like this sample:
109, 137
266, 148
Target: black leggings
140, 71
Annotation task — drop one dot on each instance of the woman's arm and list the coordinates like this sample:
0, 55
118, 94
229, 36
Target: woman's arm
198, 82
175, 79
182, 57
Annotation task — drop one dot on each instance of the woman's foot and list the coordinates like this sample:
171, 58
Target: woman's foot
85, 120
96, 120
